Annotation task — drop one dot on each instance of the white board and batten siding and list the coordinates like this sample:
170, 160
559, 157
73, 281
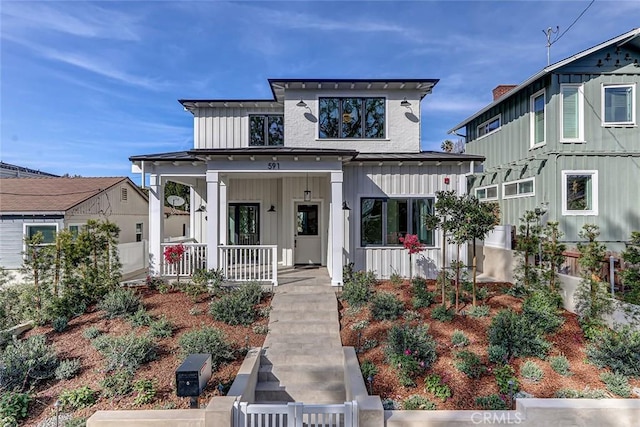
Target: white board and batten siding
395, 181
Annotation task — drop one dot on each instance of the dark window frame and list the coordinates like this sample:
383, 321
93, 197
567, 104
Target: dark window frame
362, 114
265, 129
430, 242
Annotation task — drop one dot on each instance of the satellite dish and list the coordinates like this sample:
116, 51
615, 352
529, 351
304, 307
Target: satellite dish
175, 201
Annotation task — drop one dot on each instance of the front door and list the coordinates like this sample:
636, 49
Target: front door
307, 234
244, 224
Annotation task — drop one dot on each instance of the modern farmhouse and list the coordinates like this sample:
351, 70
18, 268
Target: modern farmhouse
328, 172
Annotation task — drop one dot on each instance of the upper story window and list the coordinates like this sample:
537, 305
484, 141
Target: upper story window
580, 192
618, 105
385, 220
489, 126
485, 194
537, 119
266, 130
572, 113
362, 118
521, 188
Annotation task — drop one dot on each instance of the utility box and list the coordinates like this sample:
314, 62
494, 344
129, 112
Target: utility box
193, 375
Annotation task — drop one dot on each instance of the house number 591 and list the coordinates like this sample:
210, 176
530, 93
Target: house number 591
273, 165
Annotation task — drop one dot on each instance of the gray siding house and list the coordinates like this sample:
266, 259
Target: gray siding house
566, 141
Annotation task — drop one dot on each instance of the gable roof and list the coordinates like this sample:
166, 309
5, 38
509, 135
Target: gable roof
51, 194
631, 37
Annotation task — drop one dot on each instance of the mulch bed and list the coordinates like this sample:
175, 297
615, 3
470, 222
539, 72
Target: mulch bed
569, 340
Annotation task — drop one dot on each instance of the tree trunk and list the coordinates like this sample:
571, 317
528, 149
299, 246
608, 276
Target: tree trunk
474, 271
458, 278
444, 267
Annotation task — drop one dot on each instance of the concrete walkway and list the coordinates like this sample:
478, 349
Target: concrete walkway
303, 357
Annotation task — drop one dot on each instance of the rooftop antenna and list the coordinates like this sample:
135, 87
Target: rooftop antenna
549, 33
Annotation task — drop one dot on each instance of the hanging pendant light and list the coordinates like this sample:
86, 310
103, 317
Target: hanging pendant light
307, 192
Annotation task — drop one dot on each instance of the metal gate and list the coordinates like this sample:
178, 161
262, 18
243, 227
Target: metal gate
295, 414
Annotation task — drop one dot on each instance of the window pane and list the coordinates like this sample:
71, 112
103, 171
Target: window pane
397, 215
307, 220
422, 208
371, 226
351, 118
492, 192
256, 130
617, 104
276, 130
579, 193
481, 193
48, 232
525, 187
374, 118
538, 119
510, 189
329, 123
570, 113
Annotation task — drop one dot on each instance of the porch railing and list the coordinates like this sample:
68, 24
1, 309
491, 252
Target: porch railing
246, 263
194, 258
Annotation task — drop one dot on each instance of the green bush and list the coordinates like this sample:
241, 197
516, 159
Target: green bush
368, 369
73, 303
14, 407
360, 325
194, 290
417, 402
541, 310
26, 361
120, 303
206, 340
421, 296
498, 354
126, 351
59, 324
358, 288
237, 307
560, 364
506, 379
78, 398
492, 402
512, 331
386, 306
146, 390
118, 383
617, 350
161, 328
261, 329
411, 315
67, 369
76, 422
616, 384
469, 363
415, 341
531, 371
587, 393
459, 339
91, 332
396, 279
140, 318
479, 311
433, 384
442, 313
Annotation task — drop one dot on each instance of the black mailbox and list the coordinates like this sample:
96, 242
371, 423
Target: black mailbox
193, 375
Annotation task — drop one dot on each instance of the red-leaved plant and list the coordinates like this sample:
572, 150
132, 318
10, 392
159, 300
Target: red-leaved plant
413, 245
173, 255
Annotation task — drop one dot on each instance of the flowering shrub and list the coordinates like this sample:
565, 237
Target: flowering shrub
413, 245
173, 254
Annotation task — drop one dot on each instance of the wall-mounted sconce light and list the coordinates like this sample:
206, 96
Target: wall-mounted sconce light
301, 104
345, 206
405, 103
599, 64
307, 192
272, 209
202, 208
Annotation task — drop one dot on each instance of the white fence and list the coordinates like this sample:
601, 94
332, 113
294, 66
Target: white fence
134, 257
194, 258
295, 414
246, 263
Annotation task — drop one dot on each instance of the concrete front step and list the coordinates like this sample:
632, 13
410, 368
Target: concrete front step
332, 348
300, 327
320, 392
306, 316
300, 374
281, 338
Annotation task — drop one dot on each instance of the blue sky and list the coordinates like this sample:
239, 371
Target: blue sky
85, 85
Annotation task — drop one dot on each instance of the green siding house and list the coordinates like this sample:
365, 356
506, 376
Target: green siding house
566, 141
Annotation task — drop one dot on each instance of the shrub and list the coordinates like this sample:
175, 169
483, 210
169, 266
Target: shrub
442, 313
512, 331
264, 311
194, 290
541, 310
360, 325
396, 279
411, 315
120, 303
146, 390
492, 402
498, 354
126, 351
459, 339
478, 311
161, 328
14, 406
469, 363
25, 362
369, 344
140, 318
616, 384
408, 369
531, 371
390, 404
386, 306
433, 384
73, 303
617, 350
416, 340
76, 422
421, 296
91, 332
587, 393
236, 308
206, 340
560, 364
357, 289
261, 329
117, 383
68, 369
82, 397
59, 324
417, 402
506, 379
368, 369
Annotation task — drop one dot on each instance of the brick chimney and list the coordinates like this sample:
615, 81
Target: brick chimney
501, 90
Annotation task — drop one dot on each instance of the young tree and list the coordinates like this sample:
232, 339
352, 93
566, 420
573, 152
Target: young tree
527, 245
413, 245
552, 254
37, 267
631, 274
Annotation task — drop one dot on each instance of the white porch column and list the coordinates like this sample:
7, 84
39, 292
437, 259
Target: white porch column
337, 229
213, 216
156, 223
224, 212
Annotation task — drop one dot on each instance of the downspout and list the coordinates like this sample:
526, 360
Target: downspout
142, 174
